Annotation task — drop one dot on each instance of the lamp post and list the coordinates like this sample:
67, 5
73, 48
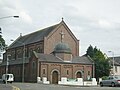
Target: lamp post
23, 61
7, 64
113, 61
5, 18
7, 61
9, 17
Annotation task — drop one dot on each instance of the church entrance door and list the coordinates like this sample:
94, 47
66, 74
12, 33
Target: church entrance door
79, 75
55, 77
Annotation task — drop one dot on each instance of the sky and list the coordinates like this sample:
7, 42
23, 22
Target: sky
93, 22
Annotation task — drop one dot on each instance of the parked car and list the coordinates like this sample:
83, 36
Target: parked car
111, 81
8, 78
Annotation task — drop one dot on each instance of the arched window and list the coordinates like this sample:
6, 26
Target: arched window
88, 72
13, 55
79, 74
67, 72
30, 52
19, 53
33, 67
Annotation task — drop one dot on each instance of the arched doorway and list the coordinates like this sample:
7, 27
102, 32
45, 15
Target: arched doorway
55, 77
79, 75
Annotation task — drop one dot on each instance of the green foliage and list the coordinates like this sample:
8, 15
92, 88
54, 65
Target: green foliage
90, 51
102, 67
104, 77
2, 43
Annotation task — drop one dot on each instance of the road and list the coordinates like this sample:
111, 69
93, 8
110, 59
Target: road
35, 86
5, 87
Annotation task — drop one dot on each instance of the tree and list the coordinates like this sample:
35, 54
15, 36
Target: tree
102, 67
90, 51
2, 43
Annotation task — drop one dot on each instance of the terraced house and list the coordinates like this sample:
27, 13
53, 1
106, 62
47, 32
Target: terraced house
52, 52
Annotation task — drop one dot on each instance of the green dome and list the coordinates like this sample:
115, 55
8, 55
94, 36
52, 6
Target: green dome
62, 48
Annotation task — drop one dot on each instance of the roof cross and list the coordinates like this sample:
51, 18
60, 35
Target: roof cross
62, 35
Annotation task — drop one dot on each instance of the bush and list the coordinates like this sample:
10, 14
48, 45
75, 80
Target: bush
104, 77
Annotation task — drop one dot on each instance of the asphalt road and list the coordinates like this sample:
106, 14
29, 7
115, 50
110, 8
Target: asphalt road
35, 86
5, 87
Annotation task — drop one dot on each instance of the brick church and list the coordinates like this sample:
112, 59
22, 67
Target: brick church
52, 52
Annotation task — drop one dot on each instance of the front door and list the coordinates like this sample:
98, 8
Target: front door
55, 77
79, 75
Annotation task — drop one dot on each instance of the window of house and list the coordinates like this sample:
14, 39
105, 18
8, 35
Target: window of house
88, 72
67, 72
33, 67
115, 68
13, 55
43, 71
30, 51
19, 54
39, 48
26, 53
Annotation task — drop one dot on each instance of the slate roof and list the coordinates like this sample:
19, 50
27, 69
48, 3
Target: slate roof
33, 37
83, 59
116, 60
15, 62
48, 58
52, 58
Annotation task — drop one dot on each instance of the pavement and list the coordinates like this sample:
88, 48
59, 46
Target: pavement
6, 87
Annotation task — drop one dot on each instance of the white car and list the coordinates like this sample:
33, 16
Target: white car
8, 78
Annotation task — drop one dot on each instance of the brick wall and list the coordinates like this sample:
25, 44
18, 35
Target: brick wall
53, 39
65, 70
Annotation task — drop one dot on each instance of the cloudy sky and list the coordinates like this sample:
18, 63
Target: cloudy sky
95, 22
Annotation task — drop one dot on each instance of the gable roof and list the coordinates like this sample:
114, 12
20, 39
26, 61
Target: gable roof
83, 59
15, 62
33, 37
51, 58
48, 58
116, 60
38, 35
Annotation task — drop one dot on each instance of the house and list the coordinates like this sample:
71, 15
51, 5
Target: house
50, 53
115, 65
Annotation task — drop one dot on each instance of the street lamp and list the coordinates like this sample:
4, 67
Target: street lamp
7, 64
113, 61
0, 30
9, 17
7, 61
5, 18
23, 58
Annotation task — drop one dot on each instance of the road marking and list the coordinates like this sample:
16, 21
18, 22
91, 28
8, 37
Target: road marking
15, 88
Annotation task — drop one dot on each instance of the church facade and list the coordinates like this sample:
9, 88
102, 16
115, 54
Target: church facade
52, 52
